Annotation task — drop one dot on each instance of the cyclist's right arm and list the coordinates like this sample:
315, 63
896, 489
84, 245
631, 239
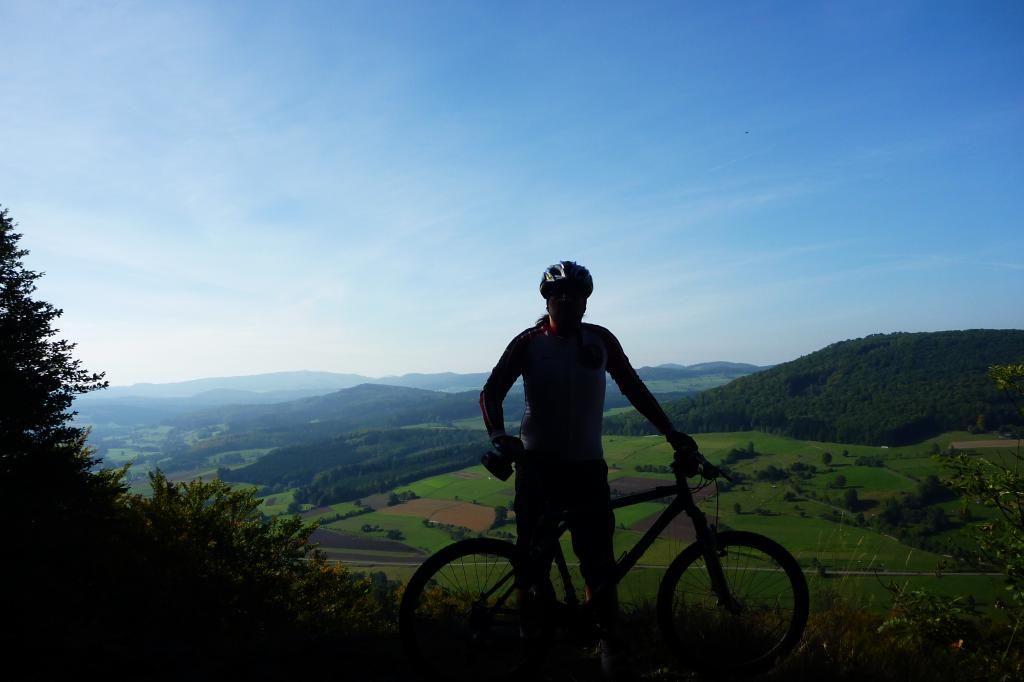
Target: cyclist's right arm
509, 368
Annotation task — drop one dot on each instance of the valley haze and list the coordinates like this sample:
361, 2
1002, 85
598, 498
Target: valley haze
315, 382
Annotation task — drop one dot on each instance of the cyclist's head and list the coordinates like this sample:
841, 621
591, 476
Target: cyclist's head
566, 277
566, 286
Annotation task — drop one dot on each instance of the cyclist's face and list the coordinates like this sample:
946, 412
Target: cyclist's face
566, 309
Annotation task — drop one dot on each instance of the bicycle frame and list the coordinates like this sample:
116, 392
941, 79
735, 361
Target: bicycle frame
682, 502
497, 599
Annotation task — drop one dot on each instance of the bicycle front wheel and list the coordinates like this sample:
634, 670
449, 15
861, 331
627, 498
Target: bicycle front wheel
459, 619
746, 632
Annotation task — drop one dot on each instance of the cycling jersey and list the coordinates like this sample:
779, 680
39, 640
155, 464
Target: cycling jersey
563, 377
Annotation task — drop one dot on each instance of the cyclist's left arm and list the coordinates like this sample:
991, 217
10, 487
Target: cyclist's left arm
639, 396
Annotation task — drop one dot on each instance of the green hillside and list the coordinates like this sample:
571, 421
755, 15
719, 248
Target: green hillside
884, 389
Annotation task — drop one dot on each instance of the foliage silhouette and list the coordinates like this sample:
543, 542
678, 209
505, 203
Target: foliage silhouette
57, 512
102, 582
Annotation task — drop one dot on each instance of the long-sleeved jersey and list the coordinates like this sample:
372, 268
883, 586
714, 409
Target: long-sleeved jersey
565, 386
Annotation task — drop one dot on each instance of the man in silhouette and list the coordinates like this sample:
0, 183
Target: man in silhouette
559, 459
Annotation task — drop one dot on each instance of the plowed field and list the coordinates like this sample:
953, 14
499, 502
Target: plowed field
473, 516
681, 528
327, 538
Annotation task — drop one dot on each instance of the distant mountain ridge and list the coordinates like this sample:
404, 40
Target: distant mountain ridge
319, 383
672, 371
253, 383
195, 430
158, 403
366, 406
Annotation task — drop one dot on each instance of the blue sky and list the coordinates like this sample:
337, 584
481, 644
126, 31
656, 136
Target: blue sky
233, 188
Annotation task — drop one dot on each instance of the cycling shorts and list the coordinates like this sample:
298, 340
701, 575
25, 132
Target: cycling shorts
545, 485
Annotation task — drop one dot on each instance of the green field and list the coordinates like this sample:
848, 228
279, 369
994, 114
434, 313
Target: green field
474, 484
415, 534
133, 445
274, 505
833, 546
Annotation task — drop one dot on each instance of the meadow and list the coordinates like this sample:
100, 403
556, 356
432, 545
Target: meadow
841, 554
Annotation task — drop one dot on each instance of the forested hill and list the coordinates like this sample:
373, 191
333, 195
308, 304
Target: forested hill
310, 420
362, 463
364, 406
884, 389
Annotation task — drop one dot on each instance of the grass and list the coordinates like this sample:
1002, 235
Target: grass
118, 456
796, 523
248, 457
481, 488
415, 534
869, 478
875, 593
627, 516
277, 504
845, 639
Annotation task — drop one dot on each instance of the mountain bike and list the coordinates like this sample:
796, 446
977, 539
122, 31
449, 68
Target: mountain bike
732, 603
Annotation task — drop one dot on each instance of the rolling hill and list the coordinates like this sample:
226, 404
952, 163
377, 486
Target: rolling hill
884, 389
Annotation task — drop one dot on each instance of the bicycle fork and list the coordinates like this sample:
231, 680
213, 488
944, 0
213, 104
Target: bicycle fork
708, 539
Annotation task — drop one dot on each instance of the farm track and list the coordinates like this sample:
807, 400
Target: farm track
970, 444
368, 561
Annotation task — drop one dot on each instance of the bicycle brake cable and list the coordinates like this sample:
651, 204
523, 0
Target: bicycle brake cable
718, 503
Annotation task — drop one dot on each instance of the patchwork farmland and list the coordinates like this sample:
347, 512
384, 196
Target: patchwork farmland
840, 549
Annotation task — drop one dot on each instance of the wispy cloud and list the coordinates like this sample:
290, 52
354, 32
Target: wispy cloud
377, 190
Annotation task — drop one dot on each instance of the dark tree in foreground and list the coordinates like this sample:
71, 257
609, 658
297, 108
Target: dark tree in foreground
39, 376
190, 579
45, 468
997, 482
57, 512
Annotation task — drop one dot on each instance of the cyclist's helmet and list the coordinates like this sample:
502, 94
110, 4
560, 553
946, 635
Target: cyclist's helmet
566, 274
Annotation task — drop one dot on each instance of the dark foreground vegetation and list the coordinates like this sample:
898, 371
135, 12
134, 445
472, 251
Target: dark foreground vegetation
193, 583
188, 582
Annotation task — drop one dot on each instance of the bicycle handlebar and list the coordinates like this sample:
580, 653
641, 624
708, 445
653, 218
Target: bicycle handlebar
697, 464
685, 463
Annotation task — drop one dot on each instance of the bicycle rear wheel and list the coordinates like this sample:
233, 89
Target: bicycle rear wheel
763, 624
459, 619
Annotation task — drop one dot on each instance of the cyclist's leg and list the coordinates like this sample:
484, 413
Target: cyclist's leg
593, 523
532, 578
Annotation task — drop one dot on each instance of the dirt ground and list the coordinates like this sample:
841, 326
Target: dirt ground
473, 516
681, 527
328, 538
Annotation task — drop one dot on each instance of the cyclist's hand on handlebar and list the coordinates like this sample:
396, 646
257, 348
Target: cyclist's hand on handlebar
681, 442
507, 449
687, 462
